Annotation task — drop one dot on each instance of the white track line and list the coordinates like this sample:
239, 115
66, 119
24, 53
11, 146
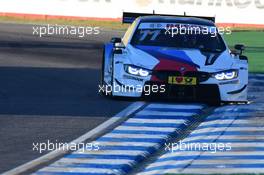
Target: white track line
208, 153
135, 136
207, 162
112, 152
79, 170
108, 143
165, 114
212, 137
226, 129
223, 170
135, 120
143, 128
209, 170
175, 106
70, 161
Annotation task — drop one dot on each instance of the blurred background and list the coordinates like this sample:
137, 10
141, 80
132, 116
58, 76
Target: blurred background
240, 15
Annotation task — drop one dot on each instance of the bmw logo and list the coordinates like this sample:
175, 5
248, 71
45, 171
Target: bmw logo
182, 69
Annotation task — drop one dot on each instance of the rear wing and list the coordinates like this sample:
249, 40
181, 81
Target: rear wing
129, 17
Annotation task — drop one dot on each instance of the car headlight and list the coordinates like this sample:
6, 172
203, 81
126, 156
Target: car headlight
134, 70
226, 75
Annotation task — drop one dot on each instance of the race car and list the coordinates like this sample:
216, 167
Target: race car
175, 57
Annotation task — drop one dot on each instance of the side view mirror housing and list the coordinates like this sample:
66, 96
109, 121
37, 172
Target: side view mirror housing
116, 40
118, 46
240, 48
117, 51
242, 57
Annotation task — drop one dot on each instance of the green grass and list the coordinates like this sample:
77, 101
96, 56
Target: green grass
254, 42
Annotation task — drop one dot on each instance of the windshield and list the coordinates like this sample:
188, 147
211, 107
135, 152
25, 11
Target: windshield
159, 34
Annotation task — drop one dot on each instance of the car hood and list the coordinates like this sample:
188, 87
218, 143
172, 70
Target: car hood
167, 58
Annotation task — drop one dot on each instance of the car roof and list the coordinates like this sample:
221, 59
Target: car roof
176, 19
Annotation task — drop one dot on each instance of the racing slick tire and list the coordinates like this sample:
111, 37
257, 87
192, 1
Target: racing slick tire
103, 84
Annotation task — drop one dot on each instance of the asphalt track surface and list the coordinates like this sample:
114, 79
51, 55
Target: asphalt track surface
48, 90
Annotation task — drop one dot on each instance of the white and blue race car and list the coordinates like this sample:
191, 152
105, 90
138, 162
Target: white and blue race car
183, 58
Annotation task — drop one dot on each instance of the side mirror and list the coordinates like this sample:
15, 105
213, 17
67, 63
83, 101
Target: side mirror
240, 47
234, 52
116, 40
118, 45
242, 57
117, 51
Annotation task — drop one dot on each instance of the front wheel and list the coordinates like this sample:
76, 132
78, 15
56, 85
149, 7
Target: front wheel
215, 103
104, 87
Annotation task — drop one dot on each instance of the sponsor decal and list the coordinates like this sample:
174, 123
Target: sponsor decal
143, 3
241, 4
179, 80
182, 69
